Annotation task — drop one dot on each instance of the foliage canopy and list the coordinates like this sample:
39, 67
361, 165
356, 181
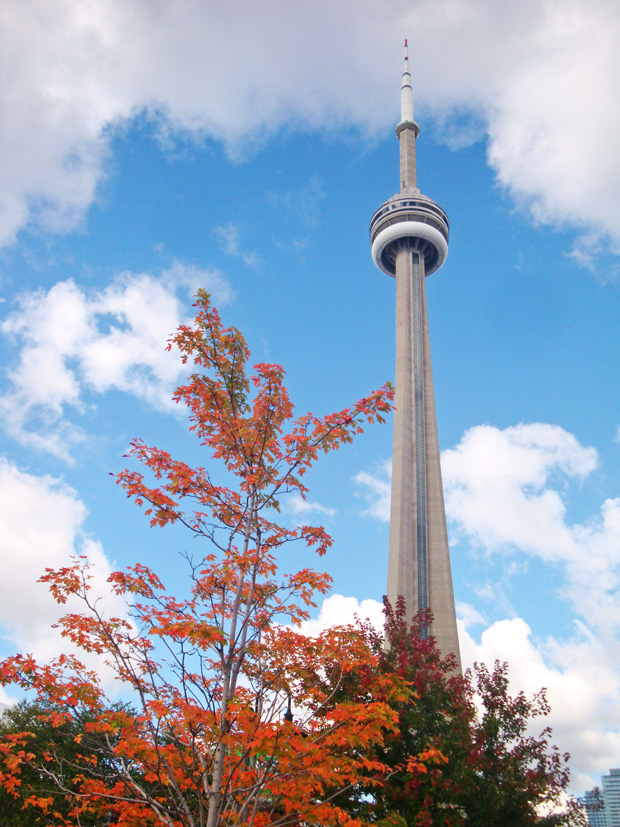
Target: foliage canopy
486, 767
209, 674
390, 734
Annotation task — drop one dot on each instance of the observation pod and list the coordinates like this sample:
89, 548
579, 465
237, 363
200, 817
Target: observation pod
415, 220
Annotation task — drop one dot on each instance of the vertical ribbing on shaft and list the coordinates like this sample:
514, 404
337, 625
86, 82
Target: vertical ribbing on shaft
403, 553
417, 273
440, 589
419, 559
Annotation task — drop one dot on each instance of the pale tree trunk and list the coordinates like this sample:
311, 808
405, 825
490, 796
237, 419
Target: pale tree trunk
231, 665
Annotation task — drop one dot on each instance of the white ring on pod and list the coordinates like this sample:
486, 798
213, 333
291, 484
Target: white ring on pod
408, 229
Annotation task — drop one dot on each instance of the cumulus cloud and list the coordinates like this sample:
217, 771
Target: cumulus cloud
504, 491
41, 526
496, 485
578, 674
338, 610
537, 78
469, 615
72, 342
580, 677
505, 494
535, 70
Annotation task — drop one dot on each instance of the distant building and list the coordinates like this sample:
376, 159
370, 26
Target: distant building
596, 813
611, 797
609, 814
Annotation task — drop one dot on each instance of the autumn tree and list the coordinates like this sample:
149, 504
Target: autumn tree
438, 715
520, 777
487, 768
211, 674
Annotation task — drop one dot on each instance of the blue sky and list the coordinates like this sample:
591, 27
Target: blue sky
152, 148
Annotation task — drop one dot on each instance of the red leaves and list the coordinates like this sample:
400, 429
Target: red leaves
199, 740
316, 536
456, 762
138, 580
66, 581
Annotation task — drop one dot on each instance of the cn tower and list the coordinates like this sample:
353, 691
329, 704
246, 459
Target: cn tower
409, 237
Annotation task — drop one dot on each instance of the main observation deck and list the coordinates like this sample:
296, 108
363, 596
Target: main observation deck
418, 220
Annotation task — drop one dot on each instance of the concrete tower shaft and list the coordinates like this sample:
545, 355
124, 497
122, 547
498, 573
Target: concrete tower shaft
409, 237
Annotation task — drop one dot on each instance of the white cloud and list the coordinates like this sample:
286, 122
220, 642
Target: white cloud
588, 251
504, 491
73, 342
580, 675
495, 485
229, 236
583, 687
337, 610
538, 77
468, 615
541, 76
304, 508
41, 526
376, 489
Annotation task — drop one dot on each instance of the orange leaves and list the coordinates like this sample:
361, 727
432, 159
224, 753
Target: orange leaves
306, 583
42, 803
139, 580
209, 673
245, 432
182, 627
316, 536
57, 718
325, 748
64, 682
419, 763
66, 581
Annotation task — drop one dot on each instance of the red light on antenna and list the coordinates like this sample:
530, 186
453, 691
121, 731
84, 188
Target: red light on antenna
405, 42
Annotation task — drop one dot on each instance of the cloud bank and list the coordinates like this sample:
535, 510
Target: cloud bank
505, 493
72, 343
42, 526
537, 79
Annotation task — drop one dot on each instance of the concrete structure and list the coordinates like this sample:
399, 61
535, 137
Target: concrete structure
409, 237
